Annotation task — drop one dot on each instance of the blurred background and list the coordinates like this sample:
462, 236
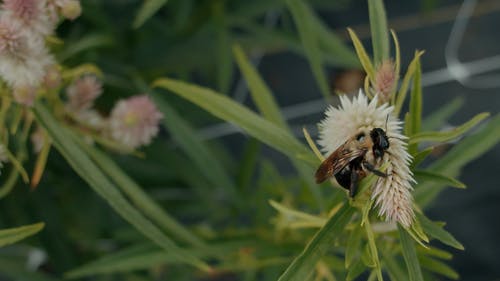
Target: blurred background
192, 40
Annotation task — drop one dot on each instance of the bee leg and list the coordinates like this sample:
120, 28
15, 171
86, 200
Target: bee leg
354, 183
372, 169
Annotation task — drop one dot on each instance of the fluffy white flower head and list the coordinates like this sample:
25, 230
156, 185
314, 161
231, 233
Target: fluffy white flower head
23, 58
134, 121
392, 194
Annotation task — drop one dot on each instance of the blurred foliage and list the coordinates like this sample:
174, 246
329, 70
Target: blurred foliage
199, 203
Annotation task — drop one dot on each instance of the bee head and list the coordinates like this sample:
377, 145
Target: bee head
380, 141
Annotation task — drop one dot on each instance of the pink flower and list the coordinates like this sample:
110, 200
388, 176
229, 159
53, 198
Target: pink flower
30, 14
134, 121
385, 80
82, 93
23, 57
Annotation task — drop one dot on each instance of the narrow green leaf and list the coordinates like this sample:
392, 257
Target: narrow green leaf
12, 235
302, 16
222, 48
65, 142
362, 55
197, 151
143, 257
435, 252
379, 30
85, 43
395, 270
467, 150
312, 145
397, 51
291, 213
372, 246
448, 135
355, 270
415, 106
406, 82
439, 267
261, 94
421, 155
426, 175
410, 255
147, 10
303, 265
353, 246
436, 119
233, 112
140, 198
437, 231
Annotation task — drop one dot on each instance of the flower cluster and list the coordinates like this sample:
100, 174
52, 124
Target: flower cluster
24, 56
133, 122
392, 194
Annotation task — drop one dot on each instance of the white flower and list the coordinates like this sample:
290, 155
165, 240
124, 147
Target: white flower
23, 57
32, 15
134, 121
392, 194
82, 93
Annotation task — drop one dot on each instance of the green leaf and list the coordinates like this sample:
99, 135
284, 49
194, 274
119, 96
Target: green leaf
143, 257
303, 18
355, 270
435, 252
303, 265
415, 106
66, 143
426, 175
294, 214
140, 198
146, 11
448, 135
439, 267
400, 98
353, 245
467, 150
362, 55
410, 255
12, 235
440, 116
437, 231
261, 94
394, 268
379, 30
421, 155
233, 112
223, 48
197, 151
372, 246
85, 43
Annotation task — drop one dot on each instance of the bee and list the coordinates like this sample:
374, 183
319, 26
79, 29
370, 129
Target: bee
352, 160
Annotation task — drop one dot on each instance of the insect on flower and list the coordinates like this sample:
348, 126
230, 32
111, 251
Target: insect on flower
351, 160
352, 136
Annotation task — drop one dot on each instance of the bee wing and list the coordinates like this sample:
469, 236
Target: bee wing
337, 161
